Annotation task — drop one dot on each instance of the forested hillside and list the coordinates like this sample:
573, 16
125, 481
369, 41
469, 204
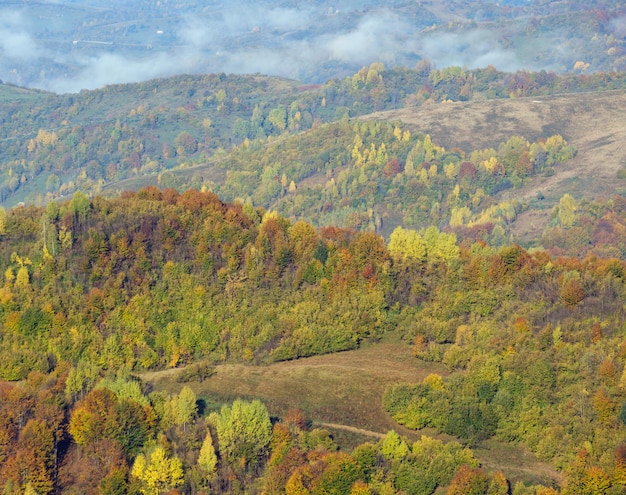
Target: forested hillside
98, 289
53, 145
174, 227
377, 175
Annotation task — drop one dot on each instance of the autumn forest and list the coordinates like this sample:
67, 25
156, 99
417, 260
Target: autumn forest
97, 290
154, 234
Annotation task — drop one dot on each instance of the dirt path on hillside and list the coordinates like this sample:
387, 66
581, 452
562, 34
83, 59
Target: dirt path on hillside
352, 429
343, 393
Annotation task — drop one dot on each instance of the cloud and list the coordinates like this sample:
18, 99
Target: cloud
15, 40
618, 26
473, 48
197, 34
378, 37
296, 43
109, 69
286, 19
237, 22
206, 48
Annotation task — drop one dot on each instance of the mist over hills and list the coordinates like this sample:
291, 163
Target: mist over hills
69, 46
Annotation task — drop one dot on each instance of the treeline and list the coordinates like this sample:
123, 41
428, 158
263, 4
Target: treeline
52, 145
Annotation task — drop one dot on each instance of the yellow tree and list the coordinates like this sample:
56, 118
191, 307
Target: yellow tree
407, 245
23, 278
3, 221
157, 472
566, 210
207, 460
357, 156
441, 247
360, 488
499, 485
9, 276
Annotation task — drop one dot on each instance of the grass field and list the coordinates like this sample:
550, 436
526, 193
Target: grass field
342, 392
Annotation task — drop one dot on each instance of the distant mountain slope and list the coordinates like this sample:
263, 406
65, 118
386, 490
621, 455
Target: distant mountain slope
294, 148
594, 123
329, 188
69, 46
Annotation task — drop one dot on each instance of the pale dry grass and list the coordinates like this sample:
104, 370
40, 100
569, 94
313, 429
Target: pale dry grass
344, 388
595, 123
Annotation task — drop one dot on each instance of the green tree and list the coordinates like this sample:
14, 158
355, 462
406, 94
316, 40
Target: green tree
622, 414
81, 379
244, 431
441, 247
340, 473
566, 211
124, 387
393, 447
180, 409
114, 483
278, 118
407, 245
499, 485
102, 415
79, 205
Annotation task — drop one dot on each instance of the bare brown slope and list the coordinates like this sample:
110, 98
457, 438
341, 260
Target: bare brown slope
595, 123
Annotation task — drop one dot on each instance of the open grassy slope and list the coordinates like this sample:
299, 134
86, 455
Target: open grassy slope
595, 123
11, 94
343, 392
